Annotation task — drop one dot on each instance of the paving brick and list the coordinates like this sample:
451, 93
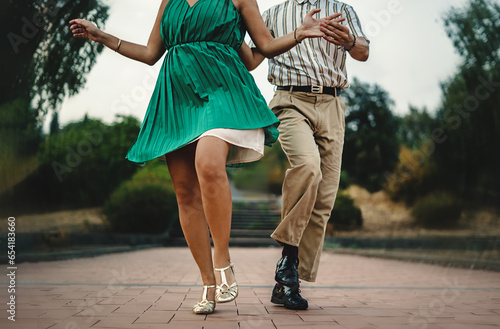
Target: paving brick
185, 325
26, 323
58, 314
116, 300
316, 318
29, 313
221, 325
152, 317
133, 308
318, 325
115, 322
187, 316
257, 323
75, 323
246, 309
97, 310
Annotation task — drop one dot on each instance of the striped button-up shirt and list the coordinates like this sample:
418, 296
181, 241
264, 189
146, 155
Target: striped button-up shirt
314, 61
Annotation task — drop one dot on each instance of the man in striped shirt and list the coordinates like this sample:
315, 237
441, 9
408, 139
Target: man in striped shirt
309, 80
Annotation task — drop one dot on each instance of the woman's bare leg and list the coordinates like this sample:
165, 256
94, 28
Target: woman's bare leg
211, 155
181, 165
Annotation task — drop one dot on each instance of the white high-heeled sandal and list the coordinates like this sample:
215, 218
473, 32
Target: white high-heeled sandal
224, 292
204, 306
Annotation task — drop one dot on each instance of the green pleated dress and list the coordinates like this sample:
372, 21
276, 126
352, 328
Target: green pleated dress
202, 83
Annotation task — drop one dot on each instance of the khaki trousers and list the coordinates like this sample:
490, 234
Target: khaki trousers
312, 136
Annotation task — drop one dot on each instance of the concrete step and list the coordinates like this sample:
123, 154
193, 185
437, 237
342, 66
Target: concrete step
250, 233
233, 242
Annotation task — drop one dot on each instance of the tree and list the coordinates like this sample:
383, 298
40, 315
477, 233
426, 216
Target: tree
475, 33
54, 124
41, 62
468, 160
416, 127
371, 145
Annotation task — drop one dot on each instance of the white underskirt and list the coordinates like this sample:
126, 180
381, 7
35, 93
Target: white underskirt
247, 145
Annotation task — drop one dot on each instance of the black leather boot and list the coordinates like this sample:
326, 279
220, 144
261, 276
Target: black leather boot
286, 272
289, 297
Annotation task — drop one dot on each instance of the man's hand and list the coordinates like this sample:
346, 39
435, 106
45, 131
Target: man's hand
337, 33
340, 35
312, 27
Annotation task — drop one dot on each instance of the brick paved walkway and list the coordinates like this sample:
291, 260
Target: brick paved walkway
156, 288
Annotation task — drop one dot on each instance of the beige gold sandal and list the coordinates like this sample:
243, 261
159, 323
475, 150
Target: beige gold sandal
224, 292
204, 306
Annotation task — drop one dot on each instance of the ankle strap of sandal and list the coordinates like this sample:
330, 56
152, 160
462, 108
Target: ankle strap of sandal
205, 291
225, 268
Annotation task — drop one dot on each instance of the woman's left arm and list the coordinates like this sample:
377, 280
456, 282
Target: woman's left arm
250, 56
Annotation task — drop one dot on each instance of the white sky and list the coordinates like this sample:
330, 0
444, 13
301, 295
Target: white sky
410, 55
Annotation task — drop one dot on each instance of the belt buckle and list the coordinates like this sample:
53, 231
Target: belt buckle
317, 89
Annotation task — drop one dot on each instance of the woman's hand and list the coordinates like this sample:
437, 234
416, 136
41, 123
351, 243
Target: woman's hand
148, 54
82, 28
312, 28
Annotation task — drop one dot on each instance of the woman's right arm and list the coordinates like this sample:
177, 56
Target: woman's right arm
148, 54
265, 43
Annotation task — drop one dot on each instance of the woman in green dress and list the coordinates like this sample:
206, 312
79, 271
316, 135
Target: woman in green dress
206, 112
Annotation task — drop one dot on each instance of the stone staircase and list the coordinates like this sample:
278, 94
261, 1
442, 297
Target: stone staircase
253, 222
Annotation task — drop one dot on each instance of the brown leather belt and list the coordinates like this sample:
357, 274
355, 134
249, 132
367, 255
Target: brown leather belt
313, 89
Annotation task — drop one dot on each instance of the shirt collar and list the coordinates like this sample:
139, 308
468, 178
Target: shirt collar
300, 2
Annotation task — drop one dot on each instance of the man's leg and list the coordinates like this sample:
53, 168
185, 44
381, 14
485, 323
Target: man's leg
330, 140
297, 116
301, 181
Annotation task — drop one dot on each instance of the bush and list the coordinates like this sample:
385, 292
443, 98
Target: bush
437, 210
146, 203
412, 177
265, 175
79, 167
345, 180
346, 216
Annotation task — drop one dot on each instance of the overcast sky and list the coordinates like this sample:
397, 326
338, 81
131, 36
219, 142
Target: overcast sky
410, 55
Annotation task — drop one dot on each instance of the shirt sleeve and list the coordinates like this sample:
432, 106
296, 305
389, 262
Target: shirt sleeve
353, 23
265, 18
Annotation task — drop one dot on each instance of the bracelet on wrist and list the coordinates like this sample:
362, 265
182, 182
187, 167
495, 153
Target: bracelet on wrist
119, 44
353, 44
295, 36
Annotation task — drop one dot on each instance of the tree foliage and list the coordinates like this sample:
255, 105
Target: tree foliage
468, 160
416, 127
20, 136
40, 59
475, 33
371, 145
19, 129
